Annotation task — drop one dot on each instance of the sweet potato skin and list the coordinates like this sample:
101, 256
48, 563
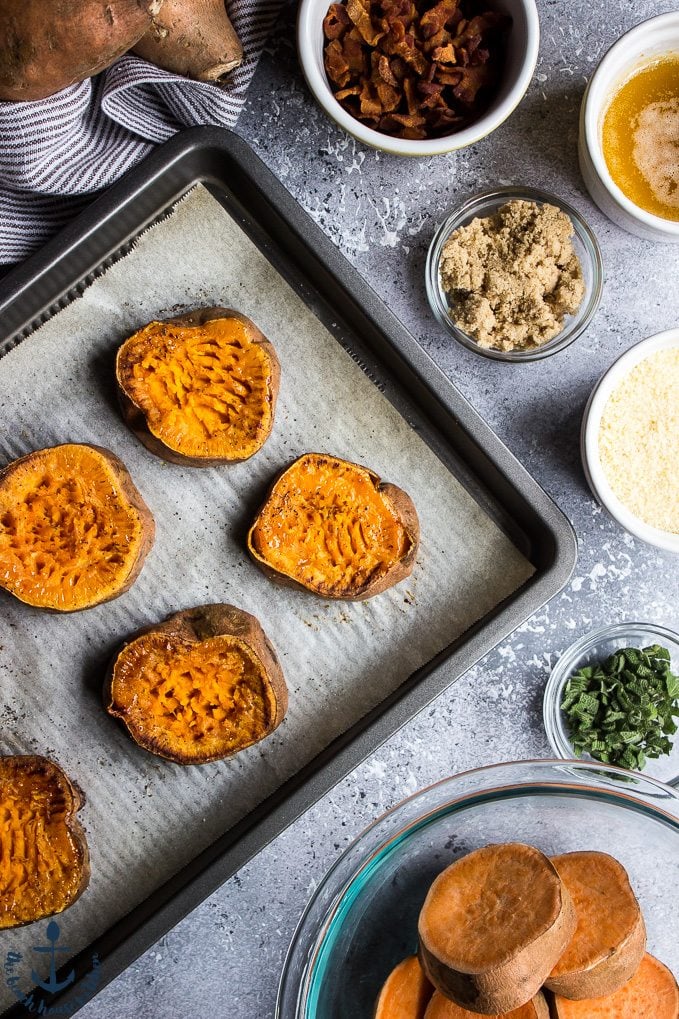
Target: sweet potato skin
134, 499
134, 416
443, 1008
499, 986
193, 38
404, 511
405, 993
48, 772
46, 45
196, 625
617, 962
652, 993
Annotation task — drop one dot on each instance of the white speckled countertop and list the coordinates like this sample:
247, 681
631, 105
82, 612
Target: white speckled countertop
225, 958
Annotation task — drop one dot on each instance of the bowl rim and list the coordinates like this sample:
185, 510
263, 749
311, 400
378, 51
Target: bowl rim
589, 436
480, 203
487, 123
552, 715
592, 111
546, 765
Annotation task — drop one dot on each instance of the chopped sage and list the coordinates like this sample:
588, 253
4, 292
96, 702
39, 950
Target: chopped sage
622, 710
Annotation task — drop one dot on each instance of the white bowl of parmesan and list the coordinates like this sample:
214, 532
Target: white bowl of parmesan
630, 440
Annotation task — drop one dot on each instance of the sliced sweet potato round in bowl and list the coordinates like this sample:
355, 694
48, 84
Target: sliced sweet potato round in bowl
610, 938
44, 860
199, 389
334, 528
652, 993
74, 530
492, 927
405, 993
198, 687
444, 1008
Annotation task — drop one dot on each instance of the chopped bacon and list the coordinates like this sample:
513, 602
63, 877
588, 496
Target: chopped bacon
414, 68
336, 64
359, 12
336, 21
438, 16
444, 55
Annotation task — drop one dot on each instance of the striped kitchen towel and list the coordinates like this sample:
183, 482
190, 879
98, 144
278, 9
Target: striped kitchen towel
56, 153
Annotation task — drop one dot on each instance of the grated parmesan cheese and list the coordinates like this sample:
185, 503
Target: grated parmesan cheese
639, 440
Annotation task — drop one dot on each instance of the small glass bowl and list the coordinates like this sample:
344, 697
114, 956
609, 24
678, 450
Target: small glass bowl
593, 648
584, 242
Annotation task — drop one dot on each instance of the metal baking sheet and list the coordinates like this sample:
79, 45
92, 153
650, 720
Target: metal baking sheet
352, 669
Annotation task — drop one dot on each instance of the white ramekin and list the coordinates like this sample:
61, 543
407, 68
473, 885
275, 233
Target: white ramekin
522, 54
637, 47
589, 441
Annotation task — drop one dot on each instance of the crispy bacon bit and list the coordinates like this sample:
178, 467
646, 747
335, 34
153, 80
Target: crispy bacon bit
336, 21
359, 12
445, 12
336, 64
414, 68
444, 55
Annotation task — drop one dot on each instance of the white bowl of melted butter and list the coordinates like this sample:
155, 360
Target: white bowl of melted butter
629, 131
630, 440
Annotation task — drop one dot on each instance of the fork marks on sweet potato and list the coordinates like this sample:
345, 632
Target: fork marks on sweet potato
42, 854
328, 524
73, 529
206, 389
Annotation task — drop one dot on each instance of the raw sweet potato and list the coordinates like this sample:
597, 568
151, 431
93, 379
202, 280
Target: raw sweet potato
492, 927
405, 993
44, 862
194, 38
74, 531
610, 937
198, 687
652, 993
199, 389
46, 45
334, 528
444, 1008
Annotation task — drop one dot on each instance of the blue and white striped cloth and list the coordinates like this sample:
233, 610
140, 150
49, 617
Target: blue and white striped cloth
56, 153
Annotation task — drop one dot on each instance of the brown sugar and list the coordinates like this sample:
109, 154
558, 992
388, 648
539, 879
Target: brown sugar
512, 277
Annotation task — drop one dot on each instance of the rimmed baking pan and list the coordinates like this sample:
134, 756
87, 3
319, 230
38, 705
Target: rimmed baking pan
204, 221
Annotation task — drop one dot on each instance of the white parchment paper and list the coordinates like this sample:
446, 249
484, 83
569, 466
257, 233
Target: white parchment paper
144, 817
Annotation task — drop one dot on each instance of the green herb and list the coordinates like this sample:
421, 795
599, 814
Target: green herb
622, 711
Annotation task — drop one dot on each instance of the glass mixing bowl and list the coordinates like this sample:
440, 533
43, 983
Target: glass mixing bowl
362, 919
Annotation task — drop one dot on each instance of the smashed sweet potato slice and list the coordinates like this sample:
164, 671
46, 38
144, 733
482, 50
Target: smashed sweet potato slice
44, 862
332, 527
199, 389
198, 687
415, 68
74, 531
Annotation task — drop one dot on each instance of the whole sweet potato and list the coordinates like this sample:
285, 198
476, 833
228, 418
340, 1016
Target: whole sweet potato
194, 38
46, 45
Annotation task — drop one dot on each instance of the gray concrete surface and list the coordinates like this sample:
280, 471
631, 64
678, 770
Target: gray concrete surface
224, 960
